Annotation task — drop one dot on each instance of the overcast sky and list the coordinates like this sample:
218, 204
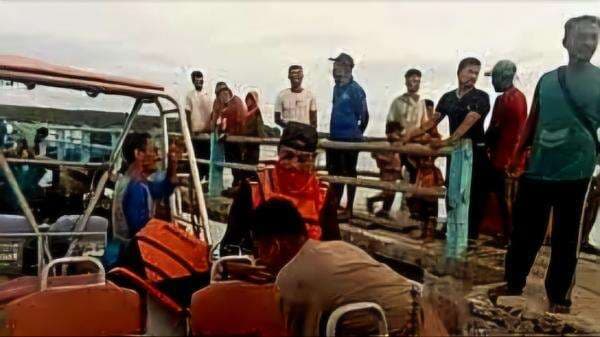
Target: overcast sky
250, 44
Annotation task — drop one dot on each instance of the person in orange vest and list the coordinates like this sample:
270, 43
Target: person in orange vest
292, 177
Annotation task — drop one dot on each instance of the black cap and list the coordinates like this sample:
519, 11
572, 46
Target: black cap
299, 136
343, 57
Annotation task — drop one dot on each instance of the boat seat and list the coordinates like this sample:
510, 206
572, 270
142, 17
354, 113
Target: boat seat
357, 319
218, 271
235, 308
10, 223
25, 285
66, 223
56, 310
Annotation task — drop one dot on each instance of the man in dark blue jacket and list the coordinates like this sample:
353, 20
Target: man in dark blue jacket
349, 119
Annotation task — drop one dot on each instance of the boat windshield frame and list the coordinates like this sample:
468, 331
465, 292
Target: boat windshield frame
94, 84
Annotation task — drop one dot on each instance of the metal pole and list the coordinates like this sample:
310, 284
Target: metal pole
187, 139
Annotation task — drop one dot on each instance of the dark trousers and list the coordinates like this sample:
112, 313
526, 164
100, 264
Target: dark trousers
250, 156
202, 151
233, 154
479, 188
342, 163
498, 182
534, 201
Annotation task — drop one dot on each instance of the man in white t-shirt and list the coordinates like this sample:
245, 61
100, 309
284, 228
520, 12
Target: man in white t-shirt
295, 103
198, 108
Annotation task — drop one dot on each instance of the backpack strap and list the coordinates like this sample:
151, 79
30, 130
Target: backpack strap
577, 109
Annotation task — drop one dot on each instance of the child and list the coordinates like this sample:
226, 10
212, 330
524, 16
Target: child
422, 208
390, 169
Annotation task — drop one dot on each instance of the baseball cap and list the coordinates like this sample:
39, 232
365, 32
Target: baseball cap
343, 57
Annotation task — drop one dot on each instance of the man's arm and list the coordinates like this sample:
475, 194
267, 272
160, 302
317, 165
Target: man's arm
525, 139
429, 124
163, 188
364, 113
278, 120
313, 111
278, 109
470, 120
135, 207
188, 112
481, 109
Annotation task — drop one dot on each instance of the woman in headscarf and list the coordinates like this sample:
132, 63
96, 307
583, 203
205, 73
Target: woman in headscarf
252, 128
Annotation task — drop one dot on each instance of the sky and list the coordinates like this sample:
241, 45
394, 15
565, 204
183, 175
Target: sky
250, 44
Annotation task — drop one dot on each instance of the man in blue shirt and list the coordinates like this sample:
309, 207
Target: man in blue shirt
349, 119
138, 188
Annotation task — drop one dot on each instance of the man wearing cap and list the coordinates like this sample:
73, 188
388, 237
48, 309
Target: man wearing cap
291, 177
198, 107
349, 119
508, 117
227, 118
296, 103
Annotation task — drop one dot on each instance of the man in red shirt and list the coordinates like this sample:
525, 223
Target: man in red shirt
508, 117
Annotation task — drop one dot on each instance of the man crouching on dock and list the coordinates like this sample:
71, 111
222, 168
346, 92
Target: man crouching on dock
291, 177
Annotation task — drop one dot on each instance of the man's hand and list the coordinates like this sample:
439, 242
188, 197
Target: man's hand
514, 170
174, 153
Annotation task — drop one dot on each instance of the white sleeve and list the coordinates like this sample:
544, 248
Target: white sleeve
313, 102
278, 103
188, 102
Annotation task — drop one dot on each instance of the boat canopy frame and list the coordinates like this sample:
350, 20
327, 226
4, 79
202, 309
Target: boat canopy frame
33, 72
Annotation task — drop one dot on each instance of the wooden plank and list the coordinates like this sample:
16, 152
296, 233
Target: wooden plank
438, 192
397, 225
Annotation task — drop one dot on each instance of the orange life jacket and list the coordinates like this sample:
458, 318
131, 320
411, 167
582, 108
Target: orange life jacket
305, 191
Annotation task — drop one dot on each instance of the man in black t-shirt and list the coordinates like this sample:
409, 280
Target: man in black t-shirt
466, 108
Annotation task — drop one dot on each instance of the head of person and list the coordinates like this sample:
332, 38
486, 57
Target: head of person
468, 72
342, 68
581, 37
40, 135
223, 93
197, 79
295, 75
412, 79
251, 100
393, 131
139, 150
279, 232
503, 75
297, 147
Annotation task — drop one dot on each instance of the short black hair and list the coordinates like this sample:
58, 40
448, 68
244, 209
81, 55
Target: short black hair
134, 141
572, 22
196, 73
277, 217
391, 127
429, 103
43, 131
469, 61
412, 72
294, 67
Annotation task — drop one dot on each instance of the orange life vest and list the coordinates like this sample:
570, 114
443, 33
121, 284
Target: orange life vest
305, 191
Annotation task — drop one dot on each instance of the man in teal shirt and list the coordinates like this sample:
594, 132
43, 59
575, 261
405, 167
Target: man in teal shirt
561, 132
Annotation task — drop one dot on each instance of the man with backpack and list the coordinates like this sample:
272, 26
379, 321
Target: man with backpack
562, 137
